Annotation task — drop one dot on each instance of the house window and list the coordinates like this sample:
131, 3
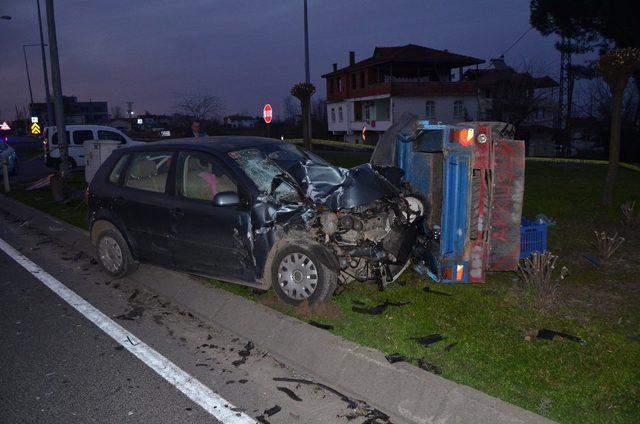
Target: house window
367, 112
340, 117
330, 85
339, 84
430, 109
353, 81
361, 79
333, 114
458, 109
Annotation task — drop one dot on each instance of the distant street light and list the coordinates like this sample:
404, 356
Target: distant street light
7, 17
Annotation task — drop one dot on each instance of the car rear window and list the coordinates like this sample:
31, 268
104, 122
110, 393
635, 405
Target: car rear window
116, 173
148, 171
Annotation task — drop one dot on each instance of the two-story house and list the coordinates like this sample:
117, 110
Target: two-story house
374, 92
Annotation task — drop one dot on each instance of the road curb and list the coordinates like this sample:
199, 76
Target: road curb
407, 393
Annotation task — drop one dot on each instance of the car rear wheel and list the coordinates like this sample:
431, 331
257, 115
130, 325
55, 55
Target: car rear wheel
299, 275
114, 254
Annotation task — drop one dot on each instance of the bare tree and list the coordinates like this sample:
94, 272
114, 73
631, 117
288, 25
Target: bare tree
200, 106
116, 112
291, 109
517, 95
319, 109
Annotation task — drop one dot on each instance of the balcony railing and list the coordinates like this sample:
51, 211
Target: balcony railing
422, 89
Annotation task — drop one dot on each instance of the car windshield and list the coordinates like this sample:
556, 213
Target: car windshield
264, 164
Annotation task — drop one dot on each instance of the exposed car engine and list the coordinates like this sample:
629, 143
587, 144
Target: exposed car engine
372, 242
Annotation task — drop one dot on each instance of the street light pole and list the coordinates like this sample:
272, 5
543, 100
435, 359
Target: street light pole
50, 118
26, 65
307, 77
57, 89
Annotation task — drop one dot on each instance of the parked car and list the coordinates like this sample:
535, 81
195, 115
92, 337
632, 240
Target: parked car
76, 136
254, 211
8, 153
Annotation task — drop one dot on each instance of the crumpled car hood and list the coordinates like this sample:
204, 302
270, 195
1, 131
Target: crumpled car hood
340, 188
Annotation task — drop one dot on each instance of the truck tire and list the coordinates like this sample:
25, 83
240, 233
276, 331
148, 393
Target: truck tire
299, 274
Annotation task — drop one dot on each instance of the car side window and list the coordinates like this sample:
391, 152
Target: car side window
148, 171
79, 137
116, 172
54, 138
200, 176
110, 135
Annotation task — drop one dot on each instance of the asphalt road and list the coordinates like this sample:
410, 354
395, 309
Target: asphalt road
58, 367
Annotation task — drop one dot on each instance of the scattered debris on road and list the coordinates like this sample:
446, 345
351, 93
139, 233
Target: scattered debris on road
321, 325
244, 354
290, 393
133, 314
360, 408
420, 362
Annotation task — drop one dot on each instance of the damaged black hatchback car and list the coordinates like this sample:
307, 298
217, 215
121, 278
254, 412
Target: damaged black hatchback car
254, 211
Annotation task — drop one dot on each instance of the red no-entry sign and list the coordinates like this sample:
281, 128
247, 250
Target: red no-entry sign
267, 113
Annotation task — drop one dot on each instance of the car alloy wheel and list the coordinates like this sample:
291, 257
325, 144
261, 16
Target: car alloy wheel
297, 276
110, 254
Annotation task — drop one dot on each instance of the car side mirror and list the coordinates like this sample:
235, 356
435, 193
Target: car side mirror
226, 198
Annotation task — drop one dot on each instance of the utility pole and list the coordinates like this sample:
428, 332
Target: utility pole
57, 90
26, 65
50, 118
307, 77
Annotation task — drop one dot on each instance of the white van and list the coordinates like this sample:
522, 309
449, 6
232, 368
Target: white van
76, 136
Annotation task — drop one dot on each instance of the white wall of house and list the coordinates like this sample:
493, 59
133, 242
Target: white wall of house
339, 115
443, 108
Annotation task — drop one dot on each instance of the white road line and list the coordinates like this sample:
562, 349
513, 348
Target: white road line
187, 384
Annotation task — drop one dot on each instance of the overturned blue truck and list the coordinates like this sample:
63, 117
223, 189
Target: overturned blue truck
470, 178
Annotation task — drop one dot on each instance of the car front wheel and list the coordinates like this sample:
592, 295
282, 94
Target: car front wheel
299, 275
114, 254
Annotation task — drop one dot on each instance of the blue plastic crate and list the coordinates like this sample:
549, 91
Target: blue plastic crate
533, 237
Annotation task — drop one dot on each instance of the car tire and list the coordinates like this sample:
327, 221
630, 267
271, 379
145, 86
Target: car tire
114, 254
298, 274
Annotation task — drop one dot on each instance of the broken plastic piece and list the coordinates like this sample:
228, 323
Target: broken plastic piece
440, 293
244, 354
428, 339
427, 366
289, 393
397, 357
377, 310
550, 334
350, 402
321, 325
272, 411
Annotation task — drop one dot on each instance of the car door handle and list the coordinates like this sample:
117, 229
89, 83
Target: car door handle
176, 212
118, 200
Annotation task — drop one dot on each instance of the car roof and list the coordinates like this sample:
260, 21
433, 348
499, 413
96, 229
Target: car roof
219, 144
84, 126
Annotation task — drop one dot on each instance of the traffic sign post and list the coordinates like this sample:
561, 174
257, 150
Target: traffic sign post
35, 129
267, 115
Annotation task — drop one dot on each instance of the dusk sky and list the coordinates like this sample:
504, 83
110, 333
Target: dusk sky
247, 52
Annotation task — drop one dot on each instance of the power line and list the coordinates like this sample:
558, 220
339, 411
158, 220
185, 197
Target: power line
517, 41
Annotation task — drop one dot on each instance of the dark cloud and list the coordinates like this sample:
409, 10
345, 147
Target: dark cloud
246, 52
